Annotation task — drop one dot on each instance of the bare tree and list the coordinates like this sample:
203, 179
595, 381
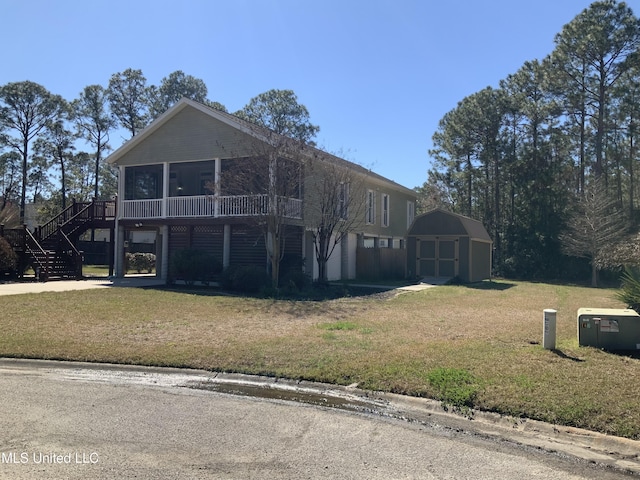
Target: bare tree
623, 253
596, 224
335, 205
268, 174
269, 168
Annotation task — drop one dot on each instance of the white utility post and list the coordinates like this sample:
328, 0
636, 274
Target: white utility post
549, 329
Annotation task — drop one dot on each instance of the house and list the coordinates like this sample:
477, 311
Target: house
176, 186
442, 244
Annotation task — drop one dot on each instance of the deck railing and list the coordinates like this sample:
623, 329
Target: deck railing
142, 208
209, 206
196, 206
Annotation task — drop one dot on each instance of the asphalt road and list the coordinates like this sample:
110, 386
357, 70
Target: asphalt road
103, 422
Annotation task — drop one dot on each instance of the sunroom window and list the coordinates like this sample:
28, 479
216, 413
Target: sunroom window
191, 178
143, 182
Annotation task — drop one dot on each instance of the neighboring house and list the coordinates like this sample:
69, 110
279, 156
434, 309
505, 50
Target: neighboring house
31, 215
172, 187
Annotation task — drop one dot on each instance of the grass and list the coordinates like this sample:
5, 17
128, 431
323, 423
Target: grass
474, 347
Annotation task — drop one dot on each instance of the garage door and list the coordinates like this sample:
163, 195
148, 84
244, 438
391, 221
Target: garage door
438, 257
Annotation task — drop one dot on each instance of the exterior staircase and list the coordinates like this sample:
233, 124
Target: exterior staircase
51, 249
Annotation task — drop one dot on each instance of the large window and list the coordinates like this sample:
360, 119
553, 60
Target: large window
191, 178
370, 214
411, 213
143, 182
385, 210
244, 176
258, 176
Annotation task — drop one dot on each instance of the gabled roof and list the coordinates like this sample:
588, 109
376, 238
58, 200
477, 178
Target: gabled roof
443, 222
256, 131
230, 120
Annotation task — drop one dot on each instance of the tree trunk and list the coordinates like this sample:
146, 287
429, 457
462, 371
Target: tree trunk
631, 160
322, 249
23, 192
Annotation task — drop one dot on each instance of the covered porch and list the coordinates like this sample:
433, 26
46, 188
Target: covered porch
195, 189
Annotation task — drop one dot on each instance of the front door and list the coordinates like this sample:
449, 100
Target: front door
438, 257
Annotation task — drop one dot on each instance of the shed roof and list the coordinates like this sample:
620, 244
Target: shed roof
441, 222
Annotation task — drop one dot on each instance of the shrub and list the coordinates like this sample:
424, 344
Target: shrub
8, 258
245, 278
295, 280
193, 265
140, 262
630, 290
292, 277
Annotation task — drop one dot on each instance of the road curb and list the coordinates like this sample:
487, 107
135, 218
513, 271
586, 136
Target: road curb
609, 451
604, 450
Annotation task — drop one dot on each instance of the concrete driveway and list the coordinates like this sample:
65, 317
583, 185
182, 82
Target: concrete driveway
73, 421
15, 288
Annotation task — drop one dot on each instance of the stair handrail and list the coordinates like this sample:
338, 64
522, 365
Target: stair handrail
70, 245
104, 209
63, 218
44, 268
51, 227
92, 209
76, 254
74, 211
80, 214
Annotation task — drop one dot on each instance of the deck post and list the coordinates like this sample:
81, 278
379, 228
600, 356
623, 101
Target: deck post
226, 245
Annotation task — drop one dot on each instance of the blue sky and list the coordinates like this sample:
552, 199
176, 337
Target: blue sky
375, 75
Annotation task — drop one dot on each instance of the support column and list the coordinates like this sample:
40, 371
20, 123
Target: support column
164, 265
165, 188
112, 250
119, 252
226, 246
216, 193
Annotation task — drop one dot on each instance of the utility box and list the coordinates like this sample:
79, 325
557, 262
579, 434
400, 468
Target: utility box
609, 328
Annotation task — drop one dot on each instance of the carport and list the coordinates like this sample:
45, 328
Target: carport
441, 244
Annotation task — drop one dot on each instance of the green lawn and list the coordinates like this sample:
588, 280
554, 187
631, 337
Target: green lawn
480, 346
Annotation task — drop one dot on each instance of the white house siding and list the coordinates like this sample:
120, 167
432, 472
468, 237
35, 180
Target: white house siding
334, 265
350, 245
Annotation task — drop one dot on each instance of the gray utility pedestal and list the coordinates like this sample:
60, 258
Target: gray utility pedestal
609, 328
